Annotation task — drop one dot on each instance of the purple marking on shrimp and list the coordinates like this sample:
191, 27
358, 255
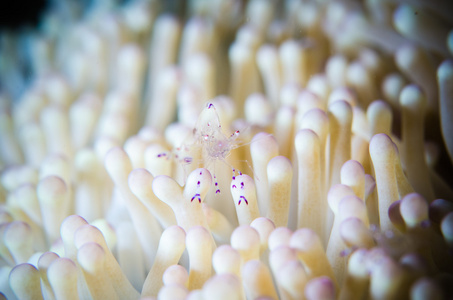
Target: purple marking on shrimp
198, 183
196, 196
234, 176
240, 173
242, 185
243, 198
233, 186
187, 160
234, 133
216, 184
210, 105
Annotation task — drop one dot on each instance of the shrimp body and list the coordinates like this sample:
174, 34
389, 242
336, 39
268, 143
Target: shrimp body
207, 143
209, 135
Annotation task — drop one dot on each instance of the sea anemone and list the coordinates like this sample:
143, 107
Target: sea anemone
228, 149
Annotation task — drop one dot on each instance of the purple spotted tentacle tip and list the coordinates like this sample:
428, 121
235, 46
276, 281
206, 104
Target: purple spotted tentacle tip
243, 198
197, 196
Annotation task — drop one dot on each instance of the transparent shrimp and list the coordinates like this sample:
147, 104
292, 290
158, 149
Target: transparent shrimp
209, 135
215, 145
208, 144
